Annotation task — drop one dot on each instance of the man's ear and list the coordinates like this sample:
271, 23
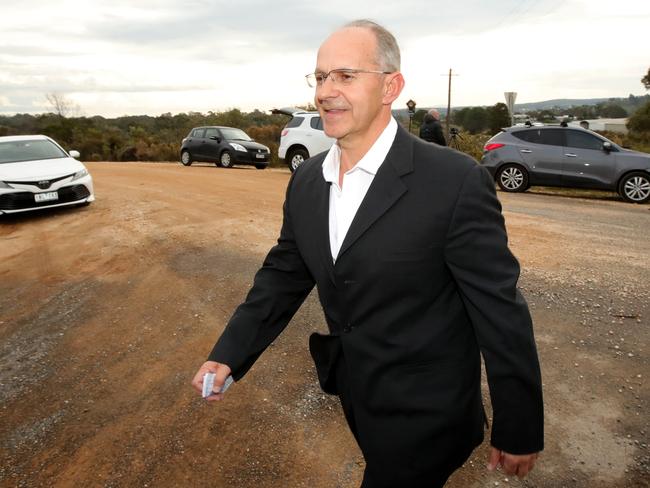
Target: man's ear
393, 86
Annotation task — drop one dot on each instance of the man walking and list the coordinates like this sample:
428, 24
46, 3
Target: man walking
407, 246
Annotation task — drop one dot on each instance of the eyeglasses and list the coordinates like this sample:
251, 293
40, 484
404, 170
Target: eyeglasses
341, 76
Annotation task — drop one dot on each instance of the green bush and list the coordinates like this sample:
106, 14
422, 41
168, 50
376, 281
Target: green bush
141, 138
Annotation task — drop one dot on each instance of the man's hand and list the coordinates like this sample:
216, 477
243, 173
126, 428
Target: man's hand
222, 371
519, 464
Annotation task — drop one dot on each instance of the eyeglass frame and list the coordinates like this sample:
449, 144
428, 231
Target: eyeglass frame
316, 84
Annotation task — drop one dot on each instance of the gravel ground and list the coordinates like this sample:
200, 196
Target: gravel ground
107, 311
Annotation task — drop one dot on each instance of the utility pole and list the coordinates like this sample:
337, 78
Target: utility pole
448, 118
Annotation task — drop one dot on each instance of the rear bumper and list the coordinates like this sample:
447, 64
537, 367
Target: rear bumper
490, 168
282, 151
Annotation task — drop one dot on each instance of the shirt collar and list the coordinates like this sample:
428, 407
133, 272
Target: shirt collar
370, 162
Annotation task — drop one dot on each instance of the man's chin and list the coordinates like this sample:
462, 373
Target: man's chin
335, 127
333, 132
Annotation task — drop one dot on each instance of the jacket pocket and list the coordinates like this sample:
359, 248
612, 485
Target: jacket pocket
325, 351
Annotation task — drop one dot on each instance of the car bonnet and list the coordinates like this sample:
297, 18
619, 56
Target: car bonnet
39, 169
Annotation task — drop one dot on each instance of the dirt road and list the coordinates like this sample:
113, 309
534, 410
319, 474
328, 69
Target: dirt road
107, 311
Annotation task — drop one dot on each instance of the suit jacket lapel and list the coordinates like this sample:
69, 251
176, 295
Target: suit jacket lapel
321, 212
386, 188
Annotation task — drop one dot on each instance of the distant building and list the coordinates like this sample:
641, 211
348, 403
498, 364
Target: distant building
614, 125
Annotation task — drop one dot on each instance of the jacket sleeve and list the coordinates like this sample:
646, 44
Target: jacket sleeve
486, 273
279, 288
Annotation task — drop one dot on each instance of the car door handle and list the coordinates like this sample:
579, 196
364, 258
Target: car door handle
525, 151
571, 155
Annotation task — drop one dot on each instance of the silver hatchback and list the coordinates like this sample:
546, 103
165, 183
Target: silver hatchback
523, 156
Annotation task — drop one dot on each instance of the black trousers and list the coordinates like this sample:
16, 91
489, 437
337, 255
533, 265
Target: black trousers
383, 475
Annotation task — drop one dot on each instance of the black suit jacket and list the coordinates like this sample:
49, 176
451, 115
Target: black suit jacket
424, 281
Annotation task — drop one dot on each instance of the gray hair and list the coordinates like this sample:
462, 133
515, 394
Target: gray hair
388, 56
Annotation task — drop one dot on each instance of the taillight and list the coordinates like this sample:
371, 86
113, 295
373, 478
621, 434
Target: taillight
284, 132
492, 146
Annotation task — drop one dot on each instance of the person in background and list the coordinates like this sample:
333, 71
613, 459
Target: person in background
431, 130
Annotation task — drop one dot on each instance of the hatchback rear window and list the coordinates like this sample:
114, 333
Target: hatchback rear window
527, 135
295, 122
316, 123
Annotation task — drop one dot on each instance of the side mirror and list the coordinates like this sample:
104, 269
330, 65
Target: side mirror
607, 146
216, 138
74, 154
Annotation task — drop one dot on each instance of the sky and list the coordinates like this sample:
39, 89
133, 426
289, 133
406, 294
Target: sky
119, 57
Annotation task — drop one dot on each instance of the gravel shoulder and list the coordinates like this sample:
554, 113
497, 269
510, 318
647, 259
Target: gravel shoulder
107, 311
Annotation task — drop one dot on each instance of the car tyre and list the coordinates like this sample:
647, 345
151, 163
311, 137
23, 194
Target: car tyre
225, 160
296, 158
635, 187
186, 158
260, 166
512, 178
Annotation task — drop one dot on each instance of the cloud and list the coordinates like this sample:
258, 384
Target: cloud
154, 56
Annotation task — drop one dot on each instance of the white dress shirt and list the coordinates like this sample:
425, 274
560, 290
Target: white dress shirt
344, 202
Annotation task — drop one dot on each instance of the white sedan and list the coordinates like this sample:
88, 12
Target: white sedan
36, 173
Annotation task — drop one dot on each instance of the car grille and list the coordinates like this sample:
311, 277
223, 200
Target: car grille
24, 200
42, 184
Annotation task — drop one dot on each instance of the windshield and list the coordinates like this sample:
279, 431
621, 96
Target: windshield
235, 135
29, 150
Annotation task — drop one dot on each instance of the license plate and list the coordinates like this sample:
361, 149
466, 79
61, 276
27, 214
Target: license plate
260, 155
46, 197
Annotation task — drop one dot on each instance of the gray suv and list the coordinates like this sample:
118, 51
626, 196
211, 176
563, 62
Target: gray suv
520, 157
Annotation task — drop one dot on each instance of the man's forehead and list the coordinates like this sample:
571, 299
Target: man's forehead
348, 48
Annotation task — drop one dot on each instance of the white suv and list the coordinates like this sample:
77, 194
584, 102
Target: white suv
302, 137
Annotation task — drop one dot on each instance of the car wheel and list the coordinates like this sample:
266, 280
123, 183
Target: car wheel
260, 166
635, 187
186, 158
225, 160
296, 158
512, 178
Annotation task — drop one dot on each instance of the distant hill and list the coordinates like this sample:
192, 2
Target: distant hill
561, 102
548, 104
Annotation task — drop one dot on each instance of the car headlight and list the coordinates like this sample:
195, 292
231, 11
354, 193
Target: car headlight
80, 174
238, 147
4, 185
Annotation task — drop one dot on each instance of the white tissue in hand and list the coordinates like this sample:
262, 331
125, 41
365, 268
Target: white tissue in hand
208, 384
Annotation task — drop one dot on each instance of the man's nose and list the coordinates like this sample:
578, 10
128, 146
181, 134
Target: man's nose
327, 89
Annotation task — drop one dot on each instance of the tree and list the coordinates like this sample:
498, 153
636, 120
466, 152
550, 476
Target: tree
476, 120
458, 116
546, 116
646, 80
583, 112
640, 120
498, 116
612, 111
418, 117
62, 106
